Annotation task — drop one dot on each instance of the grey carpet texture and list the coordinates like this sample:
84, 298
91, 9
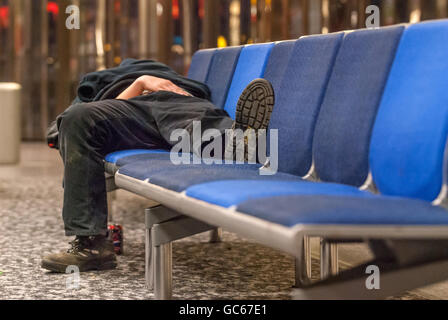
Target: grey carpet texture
31, 225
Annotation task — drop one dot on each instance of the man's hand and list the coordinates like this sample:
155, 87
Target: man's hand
150, 84
154, 84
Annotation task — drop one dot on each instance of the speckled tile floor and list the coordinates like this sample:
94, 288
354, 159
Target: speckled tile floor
31, 225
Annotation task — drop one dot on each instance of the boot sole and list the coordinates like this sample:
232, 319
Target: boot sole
255, 105
61, 268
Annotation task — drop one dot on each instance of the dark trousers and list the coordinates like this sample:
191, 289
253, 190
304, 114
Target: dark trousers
90, 131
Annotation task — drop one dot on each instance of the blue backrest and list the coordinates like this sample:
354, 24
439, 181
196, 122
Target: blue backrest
200, 65
344, 127
221, 73
410, 132
299, 98
251, 65
277, 63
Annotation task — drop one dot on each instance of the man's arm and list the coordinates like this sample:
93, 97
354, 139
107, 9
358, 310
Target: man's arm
150, 84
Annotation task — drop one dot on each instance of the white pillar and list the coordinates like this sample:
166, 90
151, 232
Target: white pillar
10, 120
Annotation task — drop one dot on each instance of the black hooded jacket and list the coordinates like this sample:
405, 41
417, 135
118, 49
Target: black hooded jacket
109, 83
95, 85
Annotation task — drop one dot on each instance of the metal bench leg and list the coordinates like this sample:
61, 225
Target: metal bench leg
163, 226
163, 275
303, 264
216, 235
111, 196
307, 245
149, 263
154, 215
328, 259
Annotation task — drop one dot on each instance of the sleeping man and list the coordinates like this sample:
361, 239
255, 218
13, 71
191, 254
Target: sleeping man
134, 106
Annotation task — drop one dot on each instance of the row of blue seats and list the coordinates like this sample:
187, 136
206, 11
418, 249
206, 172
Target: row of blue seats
356, 112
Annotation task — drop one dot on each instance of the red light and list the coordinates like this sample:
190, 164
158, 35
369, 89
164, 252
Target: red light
176, 10
52, 7
4, 16
201, 9
117, 6
4, 12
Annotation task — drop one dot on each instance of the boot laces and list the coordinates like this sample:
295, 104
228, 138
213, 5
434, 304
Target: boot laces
78, 245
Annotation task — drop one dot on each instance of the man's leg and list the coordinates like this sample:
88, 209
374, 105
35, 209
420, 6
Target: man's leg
253, 111
87, 132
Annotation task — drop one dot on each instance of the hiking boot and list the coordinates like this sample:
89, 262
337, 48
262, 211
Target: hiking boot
255, 105
87, 253
253, 113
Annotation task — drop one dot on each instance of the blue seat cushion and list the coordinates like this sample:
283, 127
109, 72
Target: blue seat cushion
200, 65
298, 100
278, 62
326, 209
233, 192
179, 177
142, 155
411, 129
348, 112
251, 65
116, 156
221, 73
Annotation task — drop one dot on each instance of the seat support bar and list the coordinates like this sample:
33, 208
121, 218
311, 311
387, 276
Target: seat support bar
391, 283
303, 264
154, 215
216, 235
177, 229
162, 227
163, 271
329, 264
